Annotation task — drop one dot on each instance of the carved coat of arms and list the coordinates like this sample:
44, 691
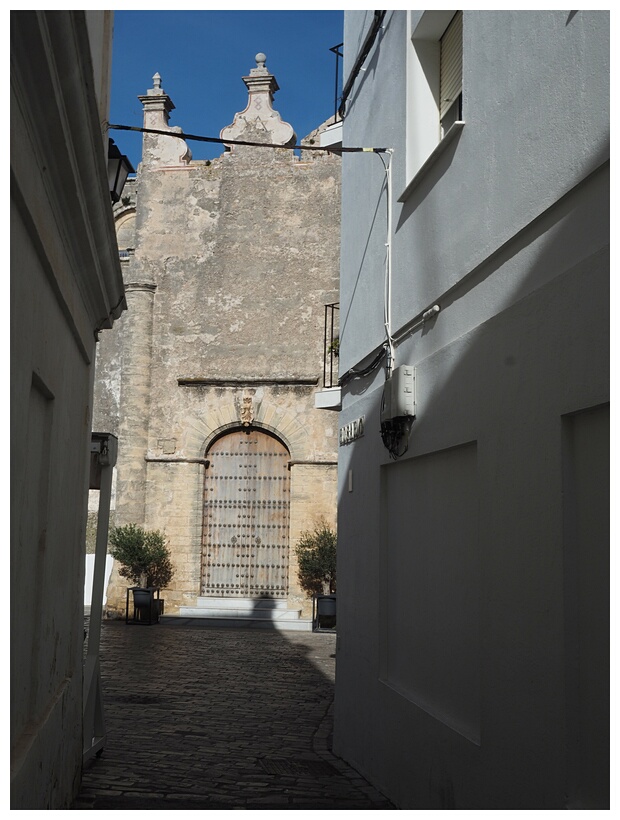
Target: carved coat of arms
247, 412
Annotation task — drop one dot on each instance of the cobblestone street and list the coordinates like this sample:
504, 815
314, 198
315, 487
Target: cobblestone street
199, 717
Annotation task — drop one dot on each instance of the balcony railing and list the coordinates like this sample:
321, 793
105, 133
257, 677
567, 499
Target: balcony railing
331, 345
336, 51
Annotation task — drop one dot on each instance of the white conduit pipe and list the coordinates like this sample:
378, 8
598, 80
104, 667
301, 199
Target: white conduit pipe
387, 312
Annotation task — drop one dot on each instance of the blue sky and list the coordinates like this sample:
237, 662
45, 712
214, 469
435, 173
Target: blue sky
202, 56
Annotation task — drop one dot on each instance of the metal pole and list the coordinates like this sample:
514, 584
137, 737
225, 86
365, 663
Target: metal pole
336, 51
336, 88
325, 349
105, 445
331, 358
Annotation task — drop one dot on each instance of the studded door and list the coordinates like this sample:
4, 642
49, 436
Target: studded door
246, 517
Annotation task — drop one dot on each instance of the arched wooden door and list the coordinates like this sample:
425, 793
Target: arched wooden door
245, 545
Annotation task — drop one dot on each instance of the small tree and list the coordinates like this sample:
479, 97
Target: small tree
316, 554
143, 555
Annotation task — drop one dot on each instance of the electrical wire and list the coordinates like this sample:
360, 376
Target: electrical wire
387, 349
395, 435
355, 373
195, 137
361, 59
387, 286
394, 431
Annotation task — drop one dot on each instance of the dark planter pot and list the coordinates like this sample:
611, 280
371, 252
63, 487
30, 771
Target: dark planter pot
146, 607
142, 597
324, 613
326, 605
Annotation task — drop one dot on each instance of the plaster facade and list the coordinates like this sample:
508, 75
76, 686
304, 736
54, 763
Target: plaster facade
66, 287
230, 264
473, 598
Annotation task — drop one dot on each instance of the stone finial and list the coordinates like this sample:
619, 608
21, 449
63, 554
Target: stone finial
260, 79
158, 149
156, 98
260, 122
157, 90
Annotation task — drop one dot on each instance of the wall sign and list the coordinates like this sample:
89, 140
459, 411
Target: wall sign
351, 431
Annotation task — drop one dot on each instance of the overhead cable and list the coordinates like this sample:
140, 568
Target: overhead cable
339, 149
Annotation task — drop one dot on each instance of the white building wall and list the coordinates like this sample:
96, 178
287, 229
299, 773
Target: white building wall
473, 599
66, 285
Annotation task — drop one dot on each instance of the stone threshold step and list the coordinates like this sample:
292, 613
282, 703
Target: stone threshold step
257, 614
294, 624
246, 604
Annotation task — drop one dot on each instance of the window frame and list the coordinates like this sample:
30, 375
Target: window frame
424, 138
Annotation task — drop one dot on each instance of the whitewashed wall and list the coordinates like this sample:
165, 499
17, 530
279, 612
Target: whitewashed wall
88, 578
473, 586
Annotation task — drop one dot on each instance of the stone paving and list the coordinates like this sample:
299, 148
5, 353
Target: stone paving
206, 718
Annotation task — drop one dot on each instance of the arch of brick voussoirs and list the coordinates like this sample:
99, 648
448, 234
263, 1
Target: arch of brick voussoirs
282, 424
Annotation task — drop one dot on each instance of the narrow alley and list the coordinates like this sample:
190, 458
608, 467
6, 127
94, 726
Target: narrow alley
205, 718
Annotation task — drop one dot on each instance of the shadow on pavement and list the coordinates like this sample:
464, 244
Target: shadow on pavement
202, 717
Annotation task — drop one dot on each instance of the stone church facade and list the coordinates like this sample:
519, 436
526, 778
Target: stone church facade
209, 378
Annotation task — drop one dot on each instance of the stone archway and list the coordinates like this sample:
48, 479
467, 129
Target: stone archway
245, 542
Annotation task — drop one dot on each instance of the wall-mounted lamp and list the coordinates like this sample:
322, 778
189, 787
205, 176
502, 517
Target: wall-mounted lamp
119, 169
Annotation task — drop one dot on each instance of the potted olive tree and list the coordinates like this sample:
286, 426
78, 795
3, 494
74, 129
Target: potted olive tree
316, 556
144, 559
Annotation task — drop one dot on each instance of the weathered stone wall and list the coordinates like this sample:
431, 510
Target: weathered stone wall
239, 253
234, 261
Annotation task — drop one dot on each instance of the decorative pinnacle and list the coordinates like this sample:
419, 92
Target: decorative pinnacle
261, 59
156, 97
